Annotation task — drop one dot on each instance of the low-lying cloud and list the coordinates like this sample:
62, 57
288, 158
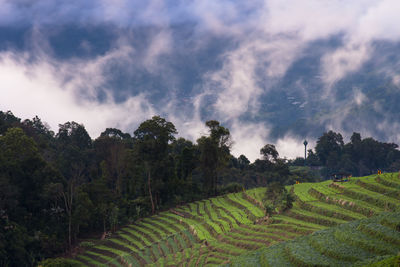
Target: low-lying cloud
57, 93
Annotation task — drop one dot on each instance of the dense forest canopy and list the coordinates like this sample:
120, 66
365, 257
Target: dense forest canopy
56, 188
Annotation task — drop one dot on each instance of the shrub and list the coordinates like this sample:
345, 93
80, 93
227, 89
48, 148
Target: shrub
277, 199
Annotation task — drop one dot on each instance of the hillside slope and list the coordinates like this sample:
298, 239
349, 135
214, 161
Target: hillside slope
357, 243
216, 230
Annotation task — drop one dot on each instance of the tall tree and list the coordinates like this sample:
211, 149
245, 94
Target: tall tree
152, 139
112, 148
329, 149
215, 151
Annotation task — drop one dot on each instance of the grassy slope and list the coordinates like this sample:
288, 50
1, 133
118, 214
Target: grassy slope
217, 230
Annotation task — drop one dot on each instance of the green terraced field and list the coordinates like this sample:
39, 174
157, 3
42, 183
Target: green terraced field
357, 243
219, 230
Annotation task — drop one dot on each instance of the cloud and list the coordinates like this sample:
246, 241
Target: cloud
160, 45
344, 61
247, 72
293, 147
57, 93
265, 38
359, 97
248, 139
378, 21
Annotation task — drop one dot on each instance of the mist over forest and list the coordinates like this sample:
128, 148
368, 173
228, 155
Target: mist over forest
114, 111
272, 72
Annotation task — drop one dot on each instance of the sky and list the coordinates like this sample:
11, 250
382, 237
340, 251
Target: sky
117, 63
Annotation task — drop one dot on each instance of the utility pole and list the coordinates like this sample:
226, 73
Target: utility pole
305, 151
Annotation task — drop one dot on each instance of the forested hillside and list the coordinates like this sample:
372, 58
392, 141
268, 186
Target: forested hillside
58, 188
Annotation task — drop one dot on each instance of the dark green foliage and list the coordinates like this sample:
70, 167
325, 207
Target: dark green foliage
359, 156
329, 148
277, 199
230, 188
269, 152
215, 152
7, 120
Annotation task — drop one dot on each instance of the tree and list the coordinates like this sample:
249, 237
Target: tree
355, 138
8, 120
67, 194
329, 150
105, 201
243, 161
72, 133
74, 148
312, 158
151, 140
277, 199
209, 163
24, 205
112, 148
115, 133
269, 153
74, 145
215, 151
24, 170
186, 157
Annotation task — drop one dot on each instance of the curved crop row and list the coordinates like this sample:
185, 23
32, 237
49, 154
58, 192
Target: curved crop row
380, 189
342, 245
349, 205
379, 201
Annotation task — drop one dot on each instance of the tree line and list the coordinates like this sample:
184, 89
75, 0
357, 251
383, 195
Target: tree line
359, 157
57, 188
